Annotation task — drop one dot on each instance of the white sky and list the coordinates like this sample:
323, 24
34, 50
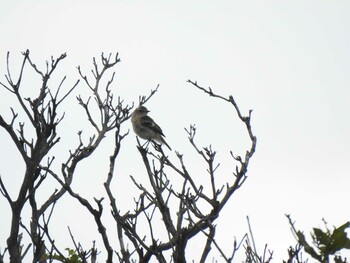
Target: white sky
289, 61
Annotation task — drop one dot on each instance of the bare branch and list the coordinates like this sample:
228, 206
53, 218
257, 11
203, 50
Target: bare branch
144, 99
4, 192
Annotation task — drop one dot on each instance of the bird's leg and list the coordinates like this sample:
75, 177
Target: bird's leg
145, 145
157, 146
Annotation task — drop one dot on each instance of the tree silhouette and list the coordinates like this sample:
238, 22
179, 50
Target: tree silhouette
173, 214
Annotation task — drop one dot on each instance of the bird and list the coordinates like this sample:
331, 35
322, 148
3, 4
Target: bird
145, 127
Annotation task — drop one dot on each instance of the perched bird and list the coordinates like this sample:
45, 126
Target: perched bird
145, 127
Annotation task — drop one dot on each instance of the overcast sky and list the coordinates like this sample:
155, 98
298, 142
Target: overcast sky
289, 61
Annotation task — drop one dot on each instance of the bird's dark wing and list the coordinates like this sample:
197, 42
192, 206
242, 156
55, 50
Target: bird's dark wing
149, 122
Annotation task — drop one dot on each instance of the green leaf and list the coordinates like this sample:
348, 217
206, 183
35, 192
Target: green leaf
343, 227
321, 237
339, 239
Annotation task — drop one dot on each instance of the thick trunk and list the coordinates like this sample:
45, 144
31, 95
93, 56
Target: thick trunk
13, 241
179, 253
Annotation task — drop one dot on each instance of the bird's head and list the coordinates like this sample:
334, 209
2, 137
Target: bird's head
141, 110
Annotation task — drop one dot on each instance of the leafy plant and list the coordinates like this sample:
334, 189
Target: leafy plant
325, 243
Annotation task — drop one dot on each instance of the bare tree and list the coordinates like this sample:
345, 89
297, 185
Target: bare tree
173, 214
42, 114
189, 219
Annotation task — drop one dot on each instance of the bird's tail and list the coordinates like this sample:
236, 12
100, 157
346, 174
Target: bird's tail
164, 142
